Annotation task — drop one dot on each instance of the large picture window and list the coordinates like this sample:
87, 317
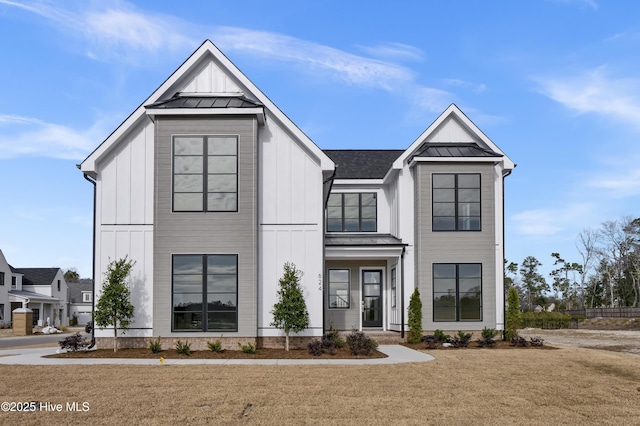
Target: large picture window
205, 292
339, 289
457, 292
352, 212
205, 173
456, 202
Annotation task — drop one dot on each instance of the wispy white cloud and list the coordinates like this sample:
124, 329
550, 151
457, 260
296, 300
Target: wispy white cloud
547, 222
596, 92
26, 136
396, 51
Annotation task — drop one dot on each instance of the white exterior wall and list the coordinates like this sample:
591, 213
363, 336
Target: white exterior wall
124, 220
5, 286
290, 223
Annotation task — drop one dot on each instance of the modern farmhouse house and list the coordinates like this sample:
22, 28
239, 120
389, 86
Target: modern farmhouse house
210, 189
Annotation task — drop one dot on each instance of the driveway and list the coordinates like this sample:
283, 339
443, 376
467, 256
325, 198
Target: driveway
613, 340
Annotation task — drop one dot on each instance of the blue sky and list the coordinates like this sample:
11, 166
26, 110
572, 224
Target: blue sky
554, 83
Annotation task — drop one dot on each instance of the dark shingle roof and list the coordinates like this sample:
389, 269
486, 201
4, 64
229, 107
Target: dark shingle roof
179, 101
76, 289
455, 149
353, 240
362, 163
37, 276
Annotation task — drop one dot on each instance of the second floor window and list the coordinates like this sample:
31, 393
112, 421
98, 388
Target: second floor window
456, 202
352, 212
205, 173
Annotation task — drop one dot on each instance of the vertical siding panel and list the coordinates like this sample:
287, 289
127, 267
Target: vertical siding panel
123, 185
137, 172
108, 192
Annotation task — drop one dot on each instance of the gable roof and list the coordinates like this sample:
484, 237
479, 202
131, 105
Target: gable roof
196, 101
37, 276
206, 52
362, 163
474, 145
76, 289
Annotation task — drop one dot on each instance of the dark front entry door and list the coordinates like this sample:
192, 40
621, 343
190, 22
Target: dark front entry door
372, 298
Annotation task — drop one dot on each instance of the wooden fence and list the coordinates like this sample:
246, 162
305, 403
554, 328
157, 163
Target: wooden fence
623, 312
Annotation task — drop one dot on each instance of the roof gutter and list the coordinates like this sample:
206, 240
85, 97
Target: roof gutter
93, 268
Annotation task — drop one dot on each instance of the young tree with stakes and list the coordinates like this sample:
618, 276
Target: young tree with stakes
290, 312
114, 307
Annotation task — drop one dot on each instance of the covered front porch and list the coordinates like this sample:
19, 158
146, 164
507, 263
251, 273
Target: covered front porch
47, 310
364, 282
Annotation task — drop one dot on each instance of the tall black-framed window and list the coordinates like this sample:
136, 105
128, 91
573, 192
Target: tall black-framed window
352, 212
456, 202
1, 278
205, 292
205, 173
394, 296
339, 289
457, 292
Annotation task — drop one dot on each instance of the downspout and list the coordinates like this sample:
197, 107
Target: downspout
504, 296
402, 292
93, 268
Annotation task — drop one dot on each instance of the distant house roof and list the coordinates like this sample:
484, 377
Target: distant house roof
77, 288
455, 149
362, 163
184, 101
37, 276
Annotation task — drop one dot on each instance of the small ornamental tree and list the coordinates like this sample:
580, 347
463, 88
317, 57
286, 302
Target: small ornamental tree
114, 307
415, 318
290, 312
514, 318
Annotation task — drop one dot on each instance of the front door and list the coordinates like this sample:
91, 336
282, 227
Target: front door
372, 298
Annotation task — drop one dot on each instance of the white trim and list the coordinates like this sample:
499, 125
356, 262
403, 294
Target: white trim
212, 94
496, 160
377, 182
337, 253
456, 112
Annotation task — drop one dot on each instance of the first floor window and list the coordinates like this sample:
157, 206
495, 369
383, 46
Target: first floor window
205, 292
457, 292
36, 315
1, 278
338, 288
393, 288
1, 312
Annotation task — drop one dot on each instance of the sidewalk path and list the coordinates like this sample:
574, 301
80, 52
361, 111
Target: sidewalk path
396, 354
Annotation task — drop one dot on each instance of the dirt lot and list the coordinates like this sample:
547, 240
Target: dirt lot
627, 341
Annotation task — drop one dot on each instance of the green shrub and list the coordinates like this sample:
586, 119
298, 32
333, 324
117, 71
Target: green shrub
415, 318
249, 348
361, 344
489, 333
334, 335
514, 318
73, 322
440, 337
315, 347
183, 348
546, 320
461, 340
215, 346
155, 345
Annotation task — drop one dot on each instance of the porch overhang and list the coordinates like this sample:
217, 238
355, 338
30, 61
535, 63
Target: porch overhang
340, 246
29, 296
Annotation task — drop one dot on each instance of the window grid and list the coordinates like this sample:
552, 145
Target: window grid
457, 292
352, 212
339, 280
456, 202
205, 292
205, 173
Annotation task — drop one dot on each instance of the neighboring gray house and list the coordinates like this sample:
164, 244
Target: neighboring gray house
80, 300
210, 188
43, 290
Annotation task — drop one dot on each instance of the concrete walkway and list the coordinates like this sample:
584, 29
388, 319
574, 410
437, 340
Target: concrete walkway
396, 354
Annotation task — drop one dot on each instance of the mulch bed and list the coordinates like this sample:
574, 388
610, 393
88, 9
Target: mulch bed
500, 344
265, 353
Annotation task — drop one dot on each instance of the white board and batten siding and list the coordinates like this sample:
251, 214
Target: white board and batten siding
124, 220
290, 217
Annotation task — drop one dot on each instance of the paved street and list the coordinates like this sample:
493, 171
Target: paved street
40, 339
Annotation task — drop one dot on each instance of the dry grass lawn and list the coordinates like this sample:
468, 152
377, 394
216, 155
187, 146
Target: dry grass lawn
564, 386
